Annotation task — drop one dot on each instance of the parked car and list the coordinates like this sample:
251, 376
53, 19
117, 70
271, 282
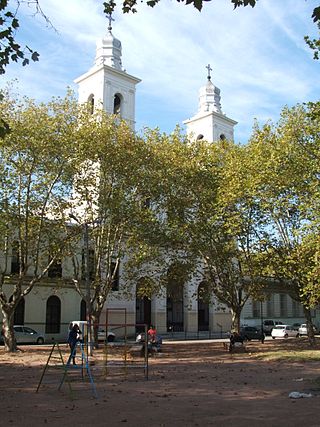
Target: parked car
268, 325
252, 333
304, 331
296, 326
102, 335
26, 335
107, 337
283, 331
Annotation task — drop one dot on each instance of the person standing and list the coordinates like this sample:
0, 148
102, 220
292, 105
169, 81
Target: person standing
73, 338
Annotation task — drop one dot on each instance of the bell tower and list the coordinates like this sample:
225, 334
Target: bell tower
107, 85
210, 123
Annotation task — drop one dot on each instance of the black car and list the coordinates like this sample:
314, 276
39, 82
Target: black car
252, 333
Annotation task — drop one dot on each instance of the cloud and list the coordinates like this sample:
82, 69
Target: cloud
259, 59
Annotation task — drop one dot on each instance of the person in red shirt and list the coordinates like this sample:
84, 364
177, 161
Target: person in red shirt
152, 334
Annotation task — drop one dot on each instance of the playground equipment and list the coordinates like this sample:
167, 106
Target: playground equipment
124, 353
57, 359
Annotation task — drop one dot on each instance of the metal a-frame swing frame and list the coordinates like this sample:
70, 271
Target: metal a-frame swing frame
66, 367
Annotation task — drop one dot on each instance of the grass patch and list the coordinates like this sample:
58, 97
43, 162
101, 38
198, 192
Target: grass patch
289, 355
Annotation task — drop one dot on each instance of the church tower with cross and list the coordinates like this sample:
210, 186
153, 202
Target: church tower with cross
107, 85
210, 123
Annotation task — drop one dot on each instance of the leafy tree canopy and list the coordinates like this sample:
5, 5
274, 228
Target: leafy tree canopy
10, 49
130, 5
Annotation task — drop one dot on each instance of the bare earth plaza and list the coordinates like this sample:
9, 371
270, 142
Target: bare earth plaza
189, 384
154, 277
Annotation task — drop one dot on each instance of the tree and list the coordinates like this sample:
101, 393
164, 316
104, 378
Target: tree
314, 43
130, 5
206, 220
10, 49
286, 170
35, 183
221, 232
108, 206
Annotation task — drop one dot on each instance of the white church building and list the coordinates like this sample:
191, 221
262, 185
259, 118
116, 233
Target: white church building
49, 309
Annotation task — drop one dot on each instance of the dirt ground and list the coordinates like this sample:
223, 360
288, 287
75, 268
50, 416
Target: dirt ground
189, 384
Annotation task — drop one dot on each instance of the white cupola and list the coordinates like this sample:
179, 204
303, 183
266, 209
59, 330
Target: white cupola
210, 123
106, 85
109, 51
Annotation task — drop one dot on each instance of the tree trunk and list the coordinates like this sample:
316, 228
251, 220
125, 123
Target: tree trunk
235, 313
310, 330
95, 326
7, 332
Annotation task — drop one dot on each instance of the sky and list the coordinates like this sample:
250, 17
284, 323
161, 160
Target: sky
259, 58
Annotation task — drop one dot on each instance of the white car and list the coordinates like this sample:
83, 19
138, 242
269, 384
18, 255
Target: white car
107, 337
284, 331
102, 335
26, 335
304, 331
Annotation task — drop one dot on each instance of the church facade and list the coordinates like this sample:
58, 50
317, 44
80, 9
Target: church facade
49, 309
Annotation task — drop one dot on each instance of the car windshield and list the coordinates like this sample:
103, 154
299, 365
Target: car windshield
280, 327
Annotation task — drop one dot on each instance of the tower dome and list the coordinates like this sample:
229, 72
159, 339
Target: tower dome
210, 123
109, 50
209, 96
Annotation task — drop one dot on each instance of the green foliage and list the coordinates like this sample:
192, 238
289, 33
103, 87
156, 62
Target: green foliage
36, 174
314, 44
131, 5
287, 189
10, 49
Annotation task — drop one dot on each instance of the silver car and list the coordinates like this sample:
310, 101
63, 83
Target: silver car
26, 335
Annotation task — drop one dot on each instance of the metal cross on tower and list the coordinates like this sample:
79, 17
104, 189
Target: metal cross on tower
110, 19
209, 69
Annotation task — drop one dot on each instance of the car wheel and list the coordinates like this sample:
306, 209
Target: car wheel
286, 336
110, 338
273, 338
297, 336
40, 340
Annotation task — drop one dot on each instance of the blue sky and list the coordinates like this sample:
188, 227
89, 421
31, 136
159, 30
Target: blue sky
259, 58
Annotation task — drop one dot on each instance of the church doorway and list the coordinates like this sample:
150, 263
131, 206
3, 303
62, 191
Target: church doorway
143, 305
175, 306
203, 307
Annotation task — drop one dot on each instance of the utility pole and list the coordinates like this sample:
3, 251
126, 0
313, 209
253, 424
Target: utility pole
86, 257
87, 281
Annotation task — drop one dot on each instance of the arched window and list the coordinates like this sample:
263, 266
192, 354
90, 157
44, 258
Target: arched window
222, 137
15, 258
199, 137
203, 306
144, 292
83, 310
18, 317
91, 104
55, 269
176, 278
117, 104
53, 315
